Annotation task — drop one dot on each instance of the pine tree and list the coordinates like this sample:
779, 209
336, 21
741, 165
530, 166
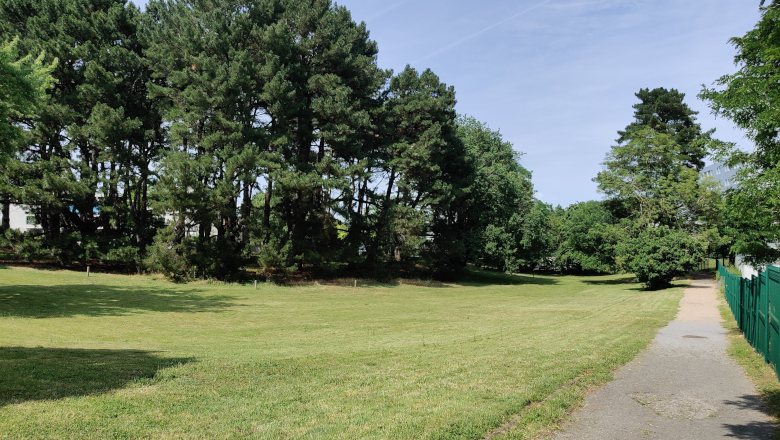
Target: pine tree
664, 111
85, 170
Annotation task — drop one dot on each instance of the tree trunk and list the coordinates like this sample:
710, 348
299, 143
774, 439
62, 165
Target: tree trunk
380, 227
6, 217
267, 211
246, 212
361, 195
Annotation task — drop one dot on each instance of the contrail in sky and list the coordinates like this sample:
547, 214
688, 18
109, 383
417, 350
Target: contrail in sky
385, 11
450, 46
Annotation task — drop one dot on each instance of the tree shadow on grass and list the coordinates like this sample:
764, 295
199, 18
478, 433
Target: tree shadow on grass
469, 277
31, 301
488, 278
55, 373
611, 282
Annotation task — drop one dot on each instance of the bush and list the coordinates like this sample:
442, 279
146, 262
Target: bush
275, 261
171, 258
657, 255
127, 256
26, 246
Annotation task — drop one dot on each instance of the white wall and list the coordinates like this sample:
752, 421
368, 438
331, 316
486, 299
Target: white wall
18, 219
747, 270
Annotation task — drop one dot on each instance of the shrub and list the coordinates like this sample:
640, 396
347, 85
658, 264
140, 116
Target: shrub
657, 255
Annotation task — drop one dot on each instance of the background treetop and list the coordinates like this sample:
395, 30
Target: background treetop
664, 111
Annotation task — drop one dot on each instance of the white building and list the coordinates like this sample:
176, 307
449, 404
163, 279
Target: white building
722, 174
20, 218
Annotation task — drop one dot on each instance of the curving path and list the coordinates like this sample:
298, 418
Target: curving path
683, 386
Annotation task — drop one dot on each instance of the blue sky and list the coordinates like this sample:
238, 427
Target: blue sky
558, 77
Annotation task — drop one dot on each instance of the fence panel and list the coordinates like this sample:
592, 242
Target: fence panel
773, 289
755, 304
762, 338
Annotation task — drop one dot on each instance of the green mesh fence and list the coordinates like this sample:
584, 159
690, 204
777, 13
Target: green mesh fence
755, 303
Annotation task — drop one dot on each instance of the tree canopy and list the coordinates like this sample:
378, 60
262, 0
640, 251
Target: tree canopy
23, 84
199, 137
664, 111
654, 190
587, 237
749, 98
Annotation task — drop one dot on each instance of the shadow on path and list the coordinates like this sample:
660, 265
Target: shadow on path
747, 402
751, 430
54, 373
99, 300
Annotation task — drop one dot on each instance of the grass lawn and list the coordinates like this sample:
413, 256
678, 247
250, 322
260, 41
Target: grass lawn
114, 356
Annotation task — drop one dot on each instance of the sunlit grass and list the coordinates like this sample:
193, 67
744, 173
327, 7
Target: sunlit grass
113, 356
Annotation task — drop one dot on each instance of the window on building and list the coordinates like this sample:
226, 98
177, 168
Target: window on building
30, 219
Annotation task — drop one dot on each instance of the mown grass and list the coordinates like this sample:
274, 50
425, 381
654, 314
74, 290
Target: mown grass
114, 356
760, 373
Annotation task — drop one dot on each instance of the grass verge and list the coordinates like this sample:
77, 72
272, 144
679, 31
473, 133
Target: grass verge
115, 356
758, 371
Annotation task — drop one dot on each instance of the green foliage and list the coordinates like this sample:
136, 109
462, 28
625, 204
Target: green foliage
211, 94
126, 256
85, 164
664, 111
507, 228
264, 124
26, 246
425, 167
537, 238
171, 258
749, 98
666, 217
274, 261
588, 237
657, 255
649, 178
23, 85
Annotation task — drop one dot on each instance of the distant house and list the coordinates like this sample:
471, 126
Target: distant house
21, 219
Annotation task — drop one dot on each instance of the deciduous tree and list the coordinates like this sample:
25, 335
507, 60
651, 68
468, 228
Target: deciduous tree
749, 97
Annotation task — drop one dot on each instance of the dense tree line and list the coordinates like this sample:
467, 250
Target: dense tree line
198, 137
659, 218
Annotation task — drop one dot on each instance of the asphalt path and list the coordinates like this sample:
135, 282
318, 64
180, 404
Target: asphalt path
683, 386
